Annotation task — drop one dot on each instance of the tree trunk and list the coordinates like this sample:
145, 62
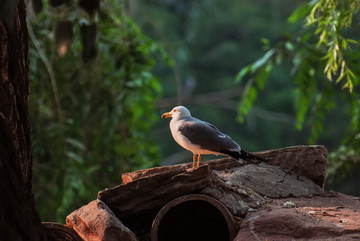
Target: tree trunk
18, 217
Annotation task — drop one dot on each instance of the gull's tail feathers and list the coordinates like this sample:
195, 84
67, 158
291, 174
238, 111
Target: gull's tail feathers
244, 155
247, 156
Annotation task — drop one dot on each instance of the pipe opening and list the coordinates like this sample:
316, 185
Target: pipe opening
194, 218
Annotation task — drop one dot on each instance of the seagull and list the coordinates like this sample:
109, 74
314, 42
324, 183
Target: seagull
202, 138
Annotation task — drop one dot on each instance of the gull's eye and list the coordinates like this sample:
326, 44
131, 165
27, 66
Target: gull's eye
174, 110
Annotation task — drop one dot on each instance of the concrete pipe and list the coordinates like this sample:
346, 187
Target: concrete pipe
194, 217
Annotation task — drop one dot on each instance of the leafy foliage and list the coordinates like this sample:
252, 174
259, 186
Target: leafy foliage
90, 116
322, 55
260, 69
331, 19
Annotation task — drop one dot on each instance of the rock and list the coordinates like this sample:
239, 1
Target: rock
328, 216
217, 164
153, 191
237, 199
231, 200
307, 161
241, 188
269, 181
96, 221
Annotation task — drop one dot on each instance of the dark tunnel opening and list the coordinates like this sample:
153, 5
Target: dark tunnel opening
194, 218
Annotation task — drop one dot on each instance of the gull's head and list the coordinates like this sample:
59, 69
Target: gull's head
178, 112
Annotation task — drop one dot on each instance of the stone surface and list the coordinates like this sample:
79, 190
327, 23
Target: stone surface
307, 161
237, 199
231, 200
241, 188
269, 181
154, 191
96, 222
217, 164
331, 216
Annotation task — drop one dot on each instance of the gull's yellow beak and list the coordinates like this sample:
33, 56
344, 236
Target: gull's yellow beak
166, 115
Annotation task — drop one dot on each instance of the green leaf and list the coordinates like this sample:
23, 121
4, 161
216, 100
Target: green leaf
76, 157
300, 12
260, 62
246, 103
289, 46
75, 143
242, 73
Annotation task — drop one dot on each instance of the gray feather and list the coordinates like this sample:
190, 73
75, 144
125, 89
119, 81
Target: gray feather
207, 136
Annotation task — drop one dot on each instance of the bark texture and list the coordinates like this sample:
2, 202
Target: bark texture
18, 217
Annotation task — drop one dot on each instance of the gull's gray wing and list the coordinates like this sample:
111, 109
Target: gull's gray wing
207, 136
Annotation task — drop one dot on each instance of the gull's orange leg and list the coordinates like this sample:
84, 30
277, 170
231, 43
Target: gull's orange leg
194, 160
198, 162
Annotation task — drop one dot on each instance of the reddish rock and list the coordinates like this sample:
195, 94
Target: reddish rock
332, 216
154, 191
217, 164
96, 222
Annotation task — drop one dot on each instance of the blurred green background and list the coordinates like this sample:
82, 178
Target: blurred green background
100, 81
